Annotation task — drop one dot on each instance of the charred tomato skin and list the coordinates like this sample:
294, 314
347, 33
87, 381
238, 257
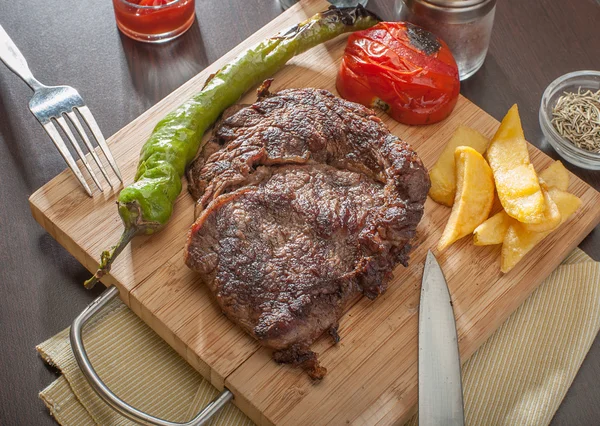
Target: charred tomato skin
403, 69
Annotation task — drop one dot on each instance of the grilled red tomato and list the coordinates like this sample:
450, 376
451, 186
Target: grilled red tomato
401, 68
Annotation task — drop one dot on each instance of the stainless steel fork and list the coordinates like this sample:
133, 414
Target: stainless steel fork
51, 104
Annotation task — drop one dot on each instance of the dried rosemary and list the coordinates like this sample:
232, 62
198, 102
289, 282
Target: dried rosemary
576, 117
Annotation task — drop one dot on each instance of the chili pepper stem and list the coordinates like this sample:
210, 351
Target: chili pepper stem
108, 256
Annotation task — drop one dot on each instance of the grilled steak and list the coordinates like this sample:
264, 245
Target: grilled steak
305, 201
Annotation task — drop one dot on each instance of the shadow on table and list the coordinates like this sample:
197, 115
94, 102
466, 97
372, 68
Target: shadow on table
20, 152
66, 276
158, 69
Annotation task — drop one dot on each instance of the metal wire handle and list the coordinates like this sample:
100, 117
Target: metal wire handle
106, 394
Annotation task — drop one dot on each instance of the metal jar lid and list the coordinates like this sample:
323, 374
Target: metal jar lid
451, 11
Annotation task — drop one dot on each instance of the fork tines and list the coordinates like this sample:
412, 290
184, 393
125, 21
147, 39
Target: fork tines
87, 116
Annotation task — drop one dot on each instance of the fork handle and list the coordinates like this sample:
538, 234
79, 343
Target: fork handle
15, 61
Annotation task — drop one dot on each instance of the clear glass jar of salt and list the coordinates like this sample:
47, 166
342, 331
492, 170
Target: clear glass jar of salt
465, 25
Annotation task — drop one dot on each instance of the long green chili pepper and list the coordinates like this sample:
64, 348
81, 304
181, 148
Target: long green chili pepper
146, 205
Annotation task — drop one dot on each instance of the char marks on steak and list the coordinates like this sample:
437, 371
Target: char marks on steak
305, 201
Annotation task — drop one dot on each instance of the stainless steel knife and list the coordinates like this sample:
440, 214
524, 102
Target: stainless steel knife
440, 385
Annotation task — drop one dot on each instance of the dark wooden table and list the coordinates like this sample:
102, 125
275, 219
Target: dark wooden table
77, 43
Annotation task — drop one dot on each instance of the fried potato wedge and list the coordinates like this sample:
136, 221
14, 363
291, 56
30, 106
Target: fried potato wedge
516, 180
556, 176
443, 173
552, 215
474, 196
493, 230
518, 241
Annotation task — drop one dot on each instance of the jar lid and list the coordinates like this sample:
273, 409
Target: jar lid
454, 11
456, 3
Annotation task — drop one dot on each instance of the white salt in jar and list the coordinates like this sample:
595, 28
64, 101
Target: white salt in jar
465, 25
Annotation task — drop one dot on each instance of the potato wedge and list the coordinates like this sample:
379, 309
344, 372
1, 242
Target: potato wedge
442, 174
493, 230
518, 241
556, 176
516, 181
552, 215
474, 196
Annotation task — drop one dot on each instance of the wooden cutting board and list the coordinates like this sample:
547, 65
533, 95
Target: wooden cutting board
372, 375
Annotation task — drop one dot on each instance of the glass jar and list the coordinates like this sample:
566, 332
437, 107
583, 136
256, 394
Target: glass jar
154, 21
465, 25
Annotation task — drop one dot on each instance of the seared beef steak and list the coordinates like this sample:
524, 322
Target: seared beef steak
306, 201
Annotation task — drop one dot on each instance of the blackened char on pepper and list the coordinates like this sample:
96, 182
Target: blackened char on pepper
305, 201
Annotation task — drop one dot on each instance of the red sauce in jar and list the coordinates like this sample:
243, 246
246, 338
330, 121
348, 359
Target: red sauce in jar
154, 20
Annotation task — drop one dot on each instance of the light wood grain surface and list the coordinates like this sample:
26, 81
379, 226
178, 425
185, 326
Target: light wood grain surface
372, 372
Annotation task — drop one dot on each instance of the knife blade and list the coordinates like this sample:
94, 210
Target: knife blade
440, 385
